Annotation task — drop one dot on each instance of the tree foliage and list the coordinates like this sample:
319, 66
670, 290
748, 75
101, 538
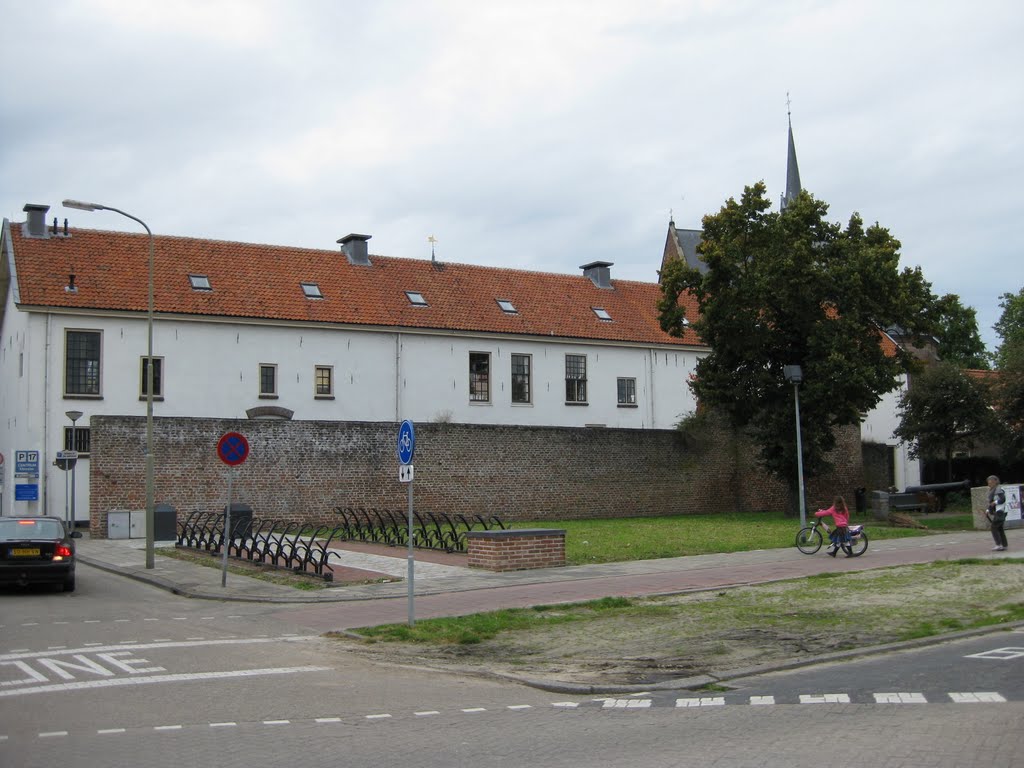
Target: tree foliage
957, 332
945, 410
1010, 325
793, 288
1008, 396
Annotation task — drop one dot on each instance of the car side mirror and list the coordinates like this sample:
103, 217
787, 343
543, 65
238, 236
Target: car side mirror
76, 534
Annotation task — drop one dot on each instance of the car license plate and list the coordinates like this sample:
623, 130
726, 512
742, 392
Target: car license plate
25, 552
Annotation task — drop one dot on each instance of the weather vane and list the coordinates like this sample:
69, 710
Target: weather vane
431, 239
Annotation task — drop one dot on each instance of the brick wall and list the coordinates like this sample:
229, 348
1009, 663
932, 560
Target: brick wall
302, 470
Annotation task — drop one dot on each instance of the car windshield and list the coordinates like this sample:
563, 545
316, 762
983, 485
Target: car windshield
14, 530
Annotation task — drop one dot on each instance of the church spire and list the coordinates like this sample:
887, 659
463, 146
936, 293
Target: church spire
792, 169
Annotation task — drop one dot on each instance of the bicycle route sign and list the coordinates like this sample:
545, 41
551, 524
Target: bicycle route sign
233, 449
406, 442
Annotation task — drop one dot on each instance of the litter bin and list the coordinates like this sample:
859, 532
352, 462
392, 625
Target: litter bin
241, 521
165, 523
860, 496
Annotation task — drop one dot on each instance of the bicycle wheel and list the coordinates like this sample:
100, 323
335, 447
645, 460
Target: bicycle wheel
858, 547
808, 540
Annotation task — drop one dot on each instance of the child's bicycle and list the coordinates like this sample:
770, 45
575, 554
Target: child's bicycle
810, 539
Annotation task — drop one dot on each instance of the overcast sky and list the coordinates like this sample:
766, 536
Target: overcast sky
531, 135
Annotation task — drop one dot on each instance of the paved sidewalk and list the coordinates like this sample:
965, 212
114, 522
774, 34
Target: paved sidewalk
454, 590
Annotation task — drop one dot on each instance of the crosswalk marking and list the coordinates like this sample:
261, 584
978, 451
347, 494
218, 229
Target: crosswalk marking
977, 697
825, 698
702, 701
762, 700
626, 703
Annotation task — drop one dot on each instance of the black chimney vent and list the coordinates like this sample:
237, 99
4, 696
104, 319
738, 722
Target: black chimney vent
355, 249
599, 272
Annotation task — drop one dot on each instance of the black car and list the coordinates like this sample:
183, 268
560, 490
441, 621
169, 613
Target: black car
37, 550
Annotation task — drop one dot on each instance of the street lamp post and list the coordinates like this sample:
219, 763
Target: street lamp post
74, 416
795, 375
149, 371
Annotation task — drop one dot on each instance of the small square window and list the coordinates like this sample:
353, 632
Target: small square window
324, 381
200, 283
416, 298
312, 291
602, 314
626, 392
507, 307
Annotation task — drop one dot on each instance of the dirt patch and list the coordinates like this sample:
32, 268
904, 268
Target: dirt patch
710, 633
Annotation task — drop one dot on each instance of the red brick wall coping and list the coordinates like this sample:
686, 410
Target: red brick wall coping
516, 549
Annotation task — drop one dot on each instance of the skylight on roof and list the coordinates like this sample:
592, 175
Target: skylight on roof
507, 307
416, 298
312, 291
200, 283
602, 314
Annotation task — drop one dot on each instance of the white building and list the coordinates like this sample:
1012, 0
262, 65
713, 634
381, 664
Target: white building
259, 331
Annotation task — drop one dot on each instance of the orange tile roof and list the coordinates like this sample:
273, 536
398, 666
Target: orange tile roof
263, 281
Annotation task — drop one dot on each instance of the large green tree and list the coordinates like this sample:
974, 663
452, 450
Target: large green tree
957, 332
945, 410
791, 288
1010, 325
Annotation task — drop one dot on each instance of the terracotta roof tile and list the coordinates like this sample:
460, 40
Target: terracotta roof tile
264, 282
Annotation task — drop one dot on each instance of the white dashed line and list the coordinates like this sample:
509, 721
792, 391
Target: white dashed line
327, 720
977, 697
825, 698
378, 717
52, 734
471, 710
565, 704
900, 698
277, 722
520, 706
167, 727
760, 701
702, 701
228, 724
427, 713
626, 703
108, 731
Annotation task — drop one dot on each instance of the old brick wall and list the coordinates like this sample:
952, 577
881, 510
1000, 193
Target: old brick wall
302, 470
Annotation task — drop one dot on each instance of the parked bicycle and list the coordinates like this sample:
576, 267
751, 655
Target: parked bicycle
810, 539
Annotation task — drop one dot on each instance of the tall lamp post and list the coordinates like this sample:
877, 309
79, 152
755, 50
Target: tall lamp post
794, 374
78, 204
74, 416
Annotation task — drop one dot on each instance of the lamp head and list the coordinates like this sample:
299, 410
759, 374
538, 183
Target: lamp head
73, 415
793, 373
83, 206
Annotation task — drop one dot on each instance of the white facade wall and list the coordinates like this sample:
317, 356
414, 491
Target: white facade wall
878, 427
211, 369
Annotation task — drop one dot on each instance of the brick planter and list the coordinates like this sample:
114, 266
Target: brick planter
516, 550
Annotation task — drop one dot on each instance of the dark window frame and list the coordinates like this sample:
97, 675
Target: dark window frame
576, 379
480, 377
521, 376
83, 363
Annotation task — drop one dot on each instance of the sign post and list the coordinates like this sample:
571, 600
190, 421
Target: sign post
406, 449
232, 449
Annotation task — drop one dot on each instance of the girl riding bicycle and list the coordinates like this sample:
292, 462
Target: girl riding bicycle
841, 518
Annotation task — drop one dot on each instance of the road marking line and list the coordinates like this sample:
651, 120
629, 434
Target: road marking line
427, 713
900, 698
106, 731
327, 720
762, 700
977, 697
1002, 654
520, 706
702, 701
228, 724
567, 704
52, 734
277, 722
626, 703
175, 678
377, 717
474, 709
30, 624
825, 698
167, 727
25, 653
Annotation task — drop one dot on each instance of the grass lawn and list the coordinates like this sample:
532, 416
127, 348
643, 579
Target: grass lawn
644, 538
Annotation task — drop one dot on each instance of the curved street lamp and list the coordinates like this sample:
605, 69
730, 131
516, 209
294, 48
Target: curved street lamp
79, 205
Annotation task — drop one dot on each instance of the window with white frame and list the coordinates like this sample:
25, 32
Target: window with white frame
323, 378
576, 379
158, 377
627, 391
521, 379
268, 380
479, 377
82, 363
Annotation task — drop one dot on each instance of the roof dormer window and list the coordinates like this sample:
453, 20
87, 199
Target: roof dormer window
602, 314
416, 299
200, 283
312, 291
507, 307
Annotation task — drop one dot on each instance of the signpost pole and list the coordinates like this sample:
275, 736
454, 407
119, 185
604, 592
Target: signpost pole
412, 561
406, 450
227, 533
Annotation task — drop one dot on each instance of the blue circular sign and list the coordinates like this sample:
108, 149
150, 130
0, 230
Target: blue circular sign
233, 449
406, 442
